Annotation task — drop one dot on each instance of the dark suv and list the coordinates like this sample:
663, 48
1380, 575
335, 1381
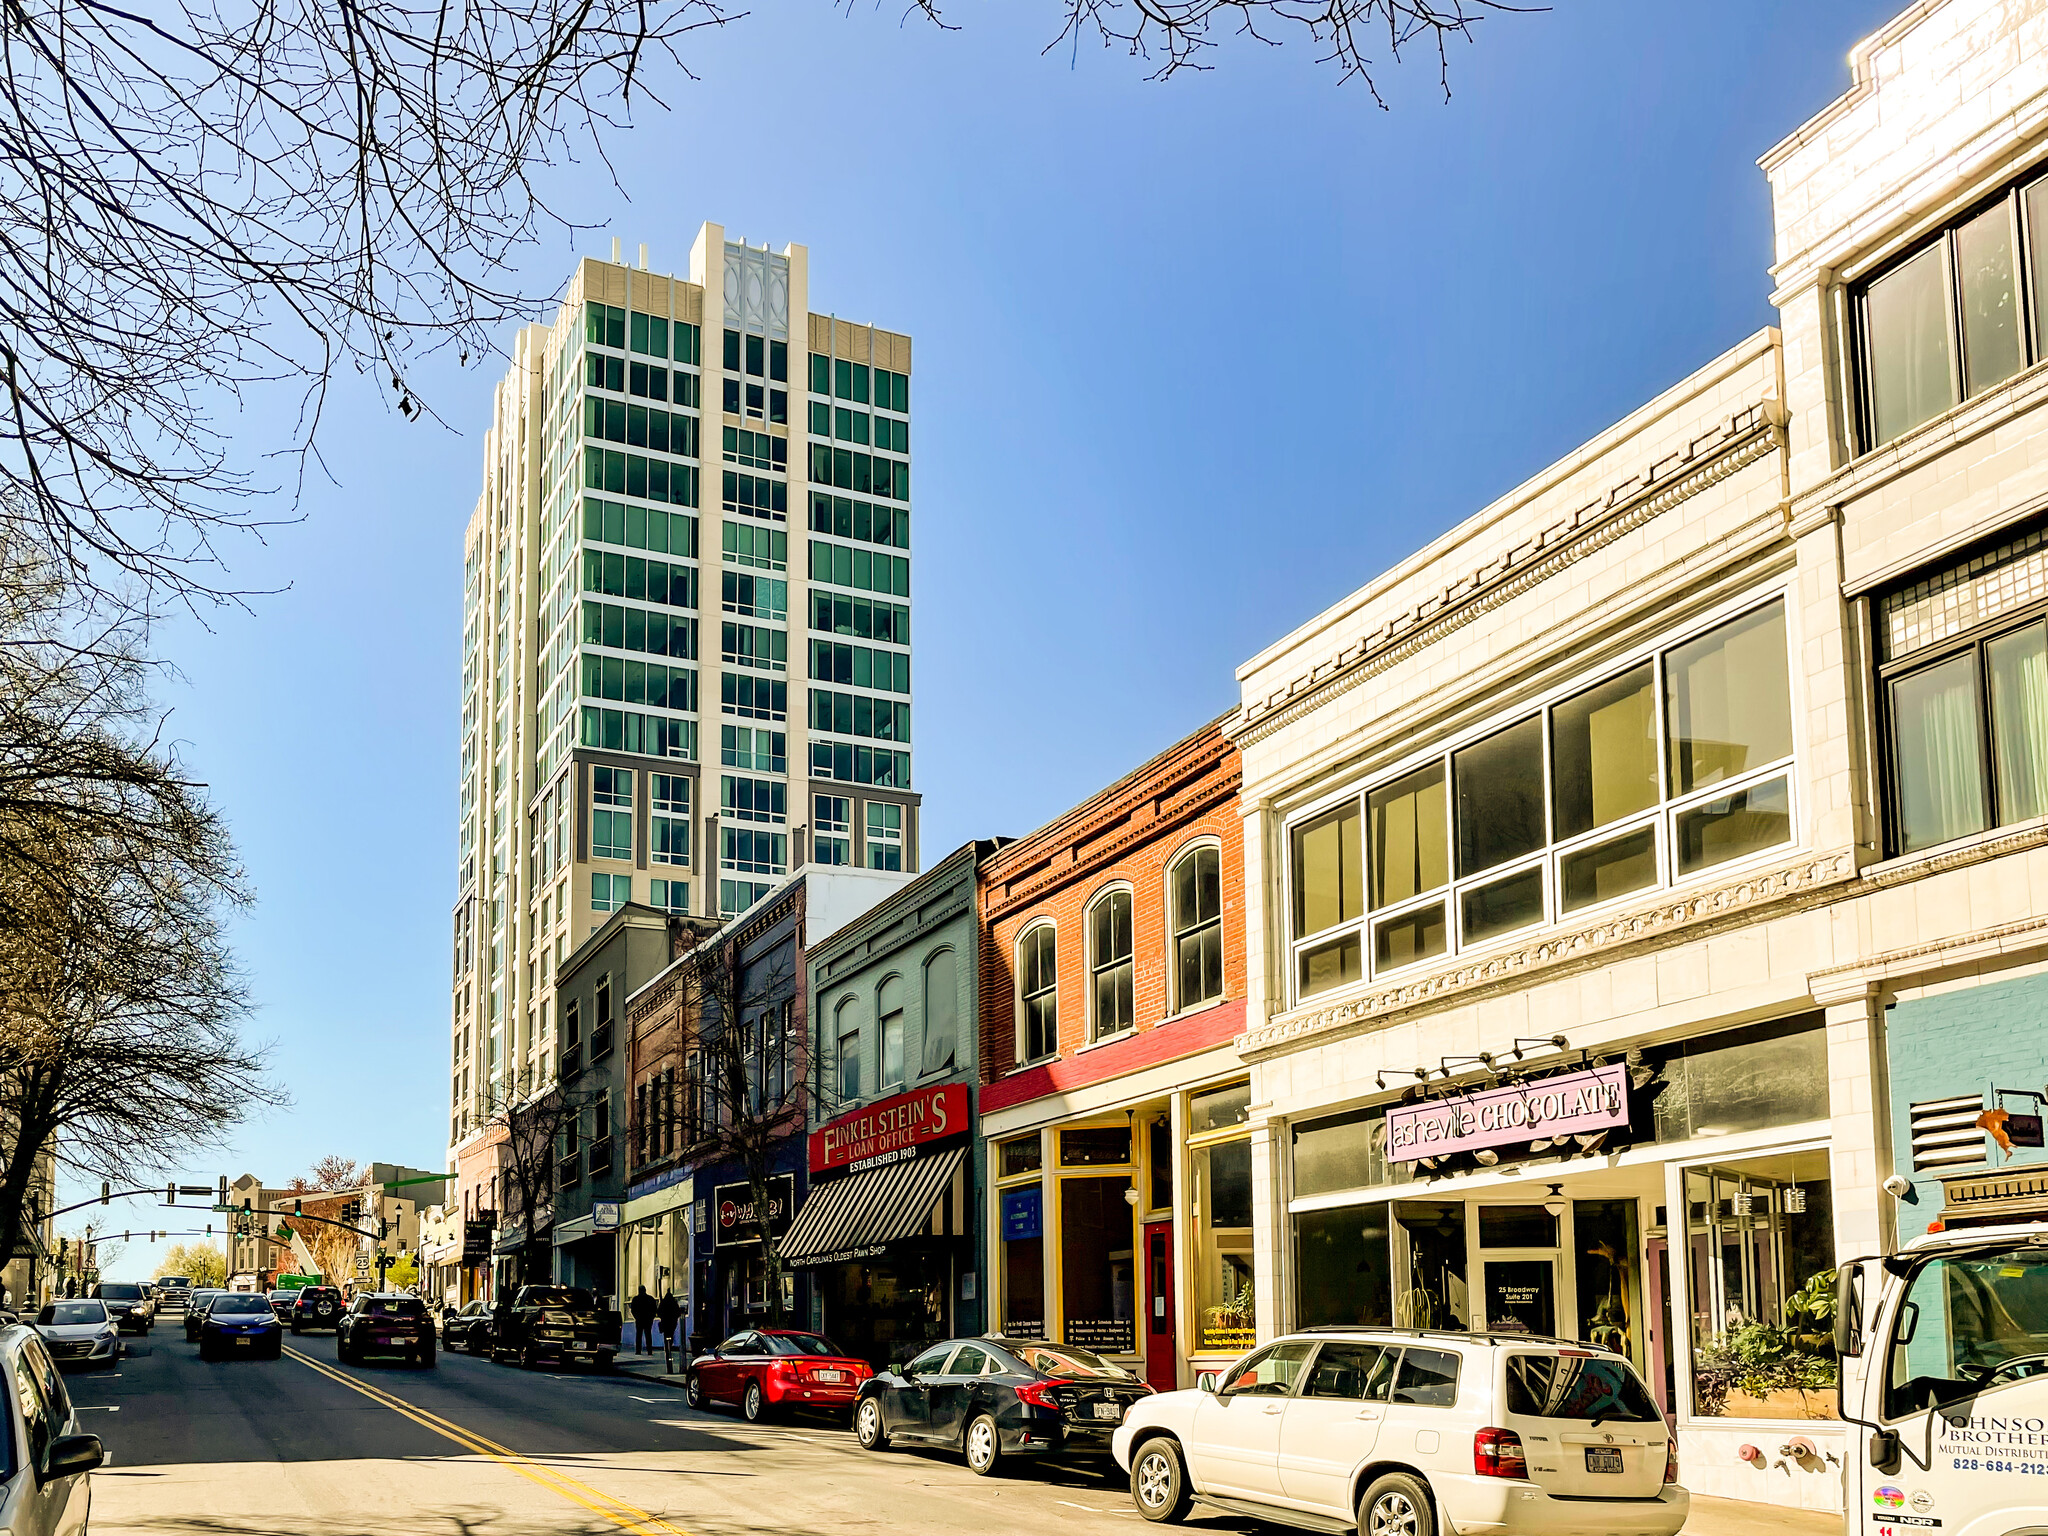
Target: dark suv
380, 1323
563, 1321
128, 1305
316, 1306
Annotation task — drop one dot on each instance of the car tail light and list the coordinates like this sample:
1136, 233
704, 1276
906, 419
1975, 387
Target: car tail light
1671, 1460
1498, 1453
1039, 1395
779, 1369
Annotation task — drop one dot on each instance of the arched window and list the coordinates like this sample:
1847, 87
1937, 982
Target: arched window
1109, 964
1038, 971
1196, 883
889, 1010
941, 1011
846, 1026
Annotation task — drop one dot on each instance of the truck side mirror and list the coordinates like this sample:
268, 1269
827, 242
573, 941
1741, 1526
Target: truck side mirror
1884, 1451
1849, 1311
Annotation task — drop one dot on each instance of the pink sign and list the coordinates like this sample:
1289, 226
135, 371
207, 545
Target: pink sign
1572, 1103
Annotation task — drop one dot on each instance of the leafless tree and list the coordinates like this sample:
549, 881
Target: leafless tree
530, 1112
332, 1172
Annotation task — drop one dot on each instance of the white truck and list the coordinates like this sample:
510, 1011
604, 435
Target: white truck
1944, 1374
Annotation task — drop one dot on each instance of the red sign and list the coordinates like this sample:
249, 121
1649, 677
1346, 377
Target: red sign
890, 1129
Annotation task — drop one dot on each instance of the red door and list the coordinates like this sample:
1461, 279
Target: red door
1162, 1369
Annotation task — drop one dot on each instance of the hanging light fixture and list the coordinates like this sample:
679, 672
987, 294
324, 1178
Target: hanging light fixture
1554, 1201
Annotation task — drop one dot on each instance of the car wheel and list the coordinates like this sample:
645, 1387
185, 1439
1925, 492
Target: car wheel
425, 1360
983, 1445
867, 1425
693, 1390
1159, 1481
754, 1406
1396, 1505
529, 1359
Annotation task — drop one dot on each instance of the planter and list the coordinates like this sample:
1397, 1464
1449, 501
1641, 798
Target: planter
1781, 1403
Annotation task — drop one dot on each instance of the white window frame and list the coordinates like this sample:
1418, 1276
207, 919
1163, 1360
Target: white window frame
884, 1083
1186, 851
1020, 997
1092, 964
1663, 815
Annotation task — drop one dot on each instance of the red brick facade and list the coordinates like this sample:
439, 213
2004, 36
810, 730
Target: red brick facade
1130, 834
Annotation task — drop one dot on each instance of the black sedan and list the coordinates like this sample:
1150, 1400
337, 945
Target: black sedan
240, 1324
469, 1328
993, 1398
195, 1312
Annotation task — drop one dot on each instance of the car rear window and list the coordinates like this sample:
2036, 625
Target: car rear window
120, 1293
60, 1313
1066, 1360
799, 1344
557, 1296
394, 1306
1578, 1387
237, 1302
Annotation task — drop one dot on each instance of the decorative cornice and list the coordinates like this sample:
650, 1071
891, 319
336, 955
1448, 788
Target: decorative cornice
1905, 871
1744, 438
1805, 881
1842, 983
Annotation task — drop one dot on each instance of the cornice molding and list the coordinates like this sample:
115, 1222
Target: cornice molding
1742, 440
1845, 983
1805, 881
1905, 871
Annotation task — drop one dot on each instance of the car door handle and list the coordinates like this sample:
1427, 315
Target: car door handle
1274, 1410
1368, 1413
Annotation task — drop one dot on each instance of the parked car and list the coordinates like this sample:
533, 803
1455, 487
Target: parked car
128, 1303
281, 1303
1406, 1434
195, 1312
316, 1306
993, 1398
239, 1325
564, 1321
468, 1327
80, 1332
767, 1369
46, 1464
383, 1323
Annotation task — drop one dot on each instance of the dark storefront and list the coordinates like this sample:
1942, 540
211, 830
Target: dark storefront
732, 1290
887, 1233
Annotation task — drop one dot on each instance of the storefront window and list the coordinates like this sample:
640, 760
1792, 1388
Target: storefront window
1744, 1080
1159, 1160
1098, 1270
1760, 1259
1218, 1109
1431, 1237
1221, 1207
886, 1311
1344, 1267
1094, 1146
1609, 1285
1020, 1154
1023, 1262
1345, 1152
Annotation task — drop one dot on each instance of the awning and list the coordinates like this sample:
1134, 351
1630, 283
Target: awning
858, 1216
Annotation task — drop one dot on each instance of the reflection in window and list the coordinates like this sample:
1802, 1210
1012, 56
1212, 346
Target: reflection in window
1607, 870
1221, 1205
1110, 966
1098, 1273
1731, 826
1500, 797
846, 1019
1503, 906
1909, 363
1400, 940
1972, 1314
1198, 928
889, 1011
1990, 299
1344, 1267
1729, 701
941, 1011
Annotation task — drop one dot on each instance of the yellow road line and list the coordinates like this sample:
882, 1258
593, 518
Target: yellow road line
627, 1517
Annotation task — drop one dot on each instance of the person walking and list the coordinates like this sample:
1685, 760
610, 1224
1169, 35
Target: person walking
643, 1321
671, 1314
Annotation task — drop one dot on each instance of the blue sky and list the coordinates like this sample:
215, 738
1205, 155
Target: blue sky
1194, 360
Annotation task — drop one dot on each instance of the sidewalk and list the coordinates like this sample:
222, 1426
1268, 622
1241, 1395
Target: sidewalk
649, 1367
1738, 1517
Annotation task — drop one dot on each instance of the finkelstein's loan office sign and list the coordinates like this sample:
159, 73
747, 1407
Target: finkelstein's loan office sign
890, 1130
1572, 1103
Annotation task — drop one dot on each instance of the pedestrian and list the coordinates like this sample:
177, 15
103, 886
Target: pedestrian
671, 1314
643, 1322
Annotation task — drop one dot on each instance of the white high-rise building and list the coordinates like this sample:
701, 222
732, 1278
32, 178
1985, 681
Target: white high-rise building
686, 626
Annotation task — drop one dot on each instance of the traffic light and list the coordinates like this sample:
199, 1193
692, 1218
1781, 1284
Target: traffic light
298, 1207
170, 1194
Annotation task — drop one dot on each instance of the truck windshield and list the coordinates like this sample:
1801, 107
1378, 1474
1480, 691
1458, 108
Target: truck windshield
1968, 1324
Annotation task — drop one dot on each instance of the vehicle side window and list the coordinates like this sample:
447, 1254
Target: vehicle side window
52, 1380
968, 1360
35, 1413
1428, 1378
1342, 1370
734, 1345
930, 1363
1379, 1385
1270, 1373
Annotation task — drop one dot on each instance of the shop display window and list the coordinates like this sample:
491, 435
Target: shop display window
1744, 1080
1346, 1151
1609, 1278
1431, 1237
1220, 1205
1023, 1265
1344, 1267
1096, 1146
884, 1312
1020, 1154
1760, 1260
1098, 1268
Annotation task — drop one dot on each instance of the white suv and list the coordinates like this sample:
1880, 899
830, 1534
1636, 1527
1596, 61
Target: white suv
1403, 1433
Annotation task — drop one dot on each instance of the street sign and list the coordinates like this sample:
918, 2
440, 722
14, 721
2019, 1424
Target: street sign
604, 1215
362, 1264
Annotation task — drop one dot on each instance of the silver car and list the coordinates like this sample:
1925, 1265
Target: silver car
80, 1332
46, 1465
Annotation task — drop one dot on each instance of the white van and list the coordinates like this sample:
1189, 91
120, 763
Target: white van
1395, 1432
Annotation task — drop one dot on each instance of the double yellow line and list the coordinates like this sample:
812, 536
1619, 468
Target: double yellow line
627, 1517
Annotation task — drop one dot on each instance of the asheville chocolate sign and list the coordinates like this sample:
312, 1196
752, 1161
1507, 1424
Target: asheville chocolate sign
1570, 1103
891, 1129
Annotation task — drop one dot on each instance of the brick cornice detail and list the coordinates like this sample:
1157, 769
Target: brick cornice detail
1806, 882
1742, 440
1204, 796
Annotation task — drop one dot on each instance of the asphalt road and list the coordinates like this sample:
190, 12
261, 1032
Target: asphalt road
306, 1447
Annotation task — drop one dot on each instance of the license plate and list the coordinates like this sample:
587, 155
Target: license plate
1109, 1411
579, 1346
830, 1375
1602, 1458
245, 1342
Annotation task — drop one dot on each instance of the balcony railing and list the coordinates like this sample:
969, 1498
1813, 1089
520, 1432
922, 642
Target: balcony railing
600, 1156
567, 1171
600, 1042
572, 1059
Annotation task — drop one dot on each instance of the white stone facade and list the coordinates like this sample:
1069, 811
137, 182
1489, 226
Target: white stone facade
1743, 485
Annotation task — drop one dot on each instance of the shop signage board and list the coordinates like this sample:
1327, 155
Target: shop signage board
1571, 1103
889, 1130
1021, 1219
732, 1209
476, 1241
604, 1215
1104, 1335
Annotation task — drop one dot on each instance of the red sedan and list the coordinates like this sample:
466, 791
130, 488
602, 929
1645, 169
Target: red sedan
766, 1369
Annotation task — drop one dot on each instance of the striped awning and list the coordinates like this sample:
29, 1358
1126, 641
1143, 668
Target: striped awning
860, 1215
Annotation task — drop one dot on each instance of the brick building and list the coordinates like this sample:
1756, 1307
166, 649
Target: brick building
1112, 1105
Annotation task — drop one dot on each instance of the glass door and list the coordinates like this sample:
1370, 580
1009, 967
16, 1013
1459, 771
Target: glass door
1519, 1269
